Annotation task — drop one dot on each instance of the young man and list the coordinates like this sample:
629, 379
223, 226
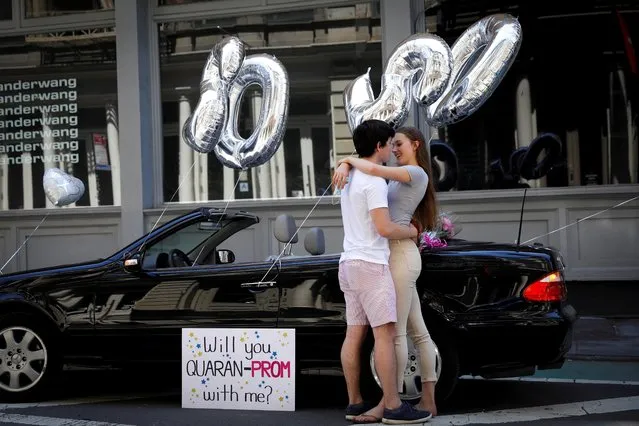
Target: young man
365, 277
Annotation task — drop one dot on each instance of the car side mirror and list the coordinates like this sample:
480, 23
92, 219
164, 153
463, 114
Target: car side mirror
224, 256
133, 263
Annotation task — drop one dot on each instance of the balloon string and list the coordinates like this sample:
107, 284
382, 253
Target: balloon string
298, 229
582, 219
25, 241
167, 205
220, 219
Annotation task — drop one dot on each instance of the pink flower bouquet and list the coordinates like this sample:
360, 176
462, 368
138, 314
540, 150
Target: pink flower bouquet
445, 229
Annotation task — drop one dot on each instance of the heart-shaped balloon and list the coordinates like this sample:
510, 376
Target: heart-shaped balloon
61, 188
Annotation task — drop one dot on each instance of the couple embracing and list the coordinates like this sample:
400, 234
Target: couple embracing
380, 265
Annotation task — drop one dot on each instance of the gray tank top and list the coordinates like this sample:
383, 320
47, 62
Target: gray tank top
403, 198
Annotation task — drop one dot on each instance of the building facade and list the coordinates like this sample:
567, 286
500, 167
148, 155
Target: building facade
102, 88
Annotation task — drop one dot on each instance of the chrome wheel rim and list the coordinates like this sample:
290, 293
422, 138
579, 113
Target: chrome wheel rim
23, 359
412, 373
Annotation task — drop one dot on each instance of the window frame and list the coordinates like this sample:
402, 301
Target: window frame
207, 10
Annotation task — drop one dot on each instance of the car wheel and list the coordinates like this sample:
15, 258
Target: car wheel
27, 358
446, 368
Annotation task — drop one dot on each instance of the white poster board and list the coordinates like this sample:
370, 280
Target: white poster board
238, 368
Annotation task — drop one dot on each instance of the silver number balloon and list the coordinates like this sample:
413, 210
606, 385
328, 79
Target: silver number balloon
270, 75
203, 128
418, 69
61, 188
481, 57
213, 124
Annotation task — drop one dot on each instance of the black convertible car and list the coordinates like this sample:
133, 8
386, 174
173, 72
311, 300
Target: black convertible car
494, 310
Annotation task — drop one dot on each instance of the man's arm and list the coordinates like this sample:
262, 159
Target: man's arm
377, 200
389, 229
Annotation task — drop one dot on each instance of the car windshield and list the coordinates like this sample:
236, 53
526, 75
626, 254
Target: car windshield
188, 239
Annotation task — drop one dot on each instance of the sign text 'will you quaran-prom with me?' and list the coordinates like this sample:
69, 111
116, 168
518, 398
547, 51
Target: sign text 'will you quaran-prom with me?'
244, 369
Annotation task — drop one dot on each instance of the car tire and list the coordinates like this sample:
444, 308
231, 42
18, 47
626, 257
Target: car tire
34, 363
448, 366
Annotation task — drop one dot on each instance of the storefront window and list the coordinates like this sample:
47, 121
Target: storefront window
171, 2
581, 91
322, 49
58, 97
5, 11
43, 8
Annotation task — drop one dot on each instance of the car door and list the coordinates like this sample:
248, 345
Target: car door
313, 304
140, 316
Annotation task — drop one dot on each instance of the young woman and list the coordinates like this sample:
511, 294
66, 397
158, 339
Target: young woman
411, 198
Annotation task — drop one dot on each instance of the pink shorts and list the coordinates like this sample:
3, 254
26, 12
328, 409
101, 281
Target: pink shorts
369, 293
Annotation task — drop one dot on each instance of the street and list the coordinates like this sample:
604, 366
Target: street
104, 398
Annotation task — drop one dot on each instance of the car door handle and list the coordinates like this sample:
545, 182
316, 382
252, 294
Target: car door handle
259, 285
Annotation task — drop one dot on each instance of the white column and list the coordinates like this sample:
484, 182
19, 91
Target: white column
308, 166
48, 152
262, 174
204, 177
114, 152
526, 127
27, 181
68, 168
92, 179
4, 182
280, 172
186, 192
229, 183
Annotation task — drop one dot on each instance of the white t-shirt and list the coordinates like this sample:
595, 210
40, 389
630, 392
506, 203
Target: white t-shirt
361, 240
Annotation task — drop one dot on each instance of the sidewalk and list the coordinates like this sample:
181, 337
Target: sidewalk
610, 339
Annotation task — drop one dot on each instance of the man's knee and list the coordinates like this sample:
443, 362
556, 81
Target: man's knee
385, 331
356, 333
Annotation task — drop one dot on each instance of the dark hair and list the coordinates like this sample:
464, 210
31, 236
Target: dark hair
368, 134
425, 216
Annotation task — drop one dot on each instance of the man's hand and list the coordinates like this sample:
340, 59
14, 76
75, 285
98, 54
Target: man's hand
414, 233
340, 176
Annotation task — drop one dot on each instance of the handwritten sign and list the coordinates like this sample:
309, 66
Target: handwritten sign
238, 368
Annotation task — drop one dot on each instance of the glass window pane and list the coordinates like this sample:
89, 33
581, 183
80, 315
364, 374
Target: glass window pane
322, 49
58, 97
589, 106
171, 2
5, 10
43, 8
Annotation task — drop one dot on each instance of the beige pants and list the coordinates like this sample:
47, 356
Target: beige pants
405, 265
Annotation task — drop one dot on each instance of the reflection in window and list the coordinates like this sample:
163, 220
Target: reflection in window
321, 48
42, 8
585, 93
5, 11
58, 109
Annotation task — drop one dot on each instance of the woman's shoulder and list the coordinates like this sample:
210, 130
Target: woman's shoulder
417, 173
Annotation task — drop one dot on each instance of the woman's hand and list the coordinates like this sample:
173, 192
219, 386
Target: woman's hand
340, 176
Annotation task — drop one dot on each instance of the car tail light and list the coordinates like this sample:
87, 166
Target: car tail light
550, 288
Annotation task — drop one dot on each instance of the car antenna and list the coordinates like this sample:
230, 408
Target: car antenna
521, 217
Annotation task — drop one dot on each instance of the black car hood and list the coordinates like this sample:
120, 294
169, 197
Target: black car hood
53, 272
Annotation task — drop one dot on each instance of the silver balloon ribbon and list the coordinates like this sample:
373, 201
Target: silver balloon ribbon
270, 75
24, 242
582, 219
204, 126
481, 56
418, 69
